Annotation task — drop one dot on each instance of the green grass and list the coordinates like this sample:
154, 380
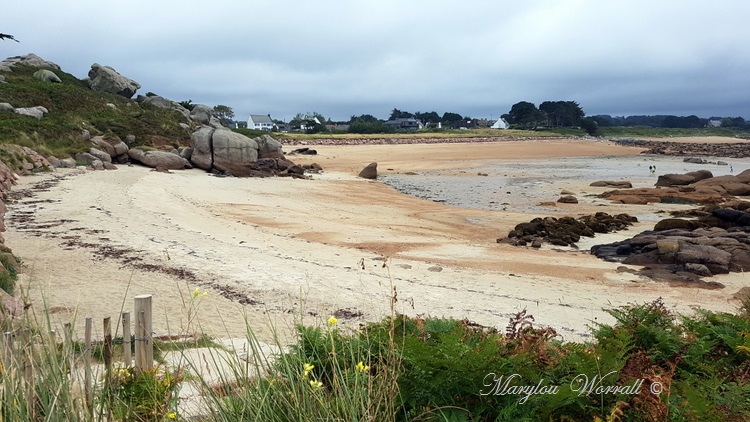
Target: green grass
651, 132
73, 107
422, 134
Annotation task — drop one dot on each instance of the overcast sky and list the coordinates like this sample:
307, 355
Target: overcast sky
343, 58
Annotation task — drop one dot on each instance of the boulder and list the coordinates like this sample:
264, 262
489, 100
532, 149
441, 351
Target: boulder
623, 184
185, 152
202, 142
6, 107
268, 147
53, 161
85, 158
101, 155
157, 101
2, 79
695, 160
68, 163
676, 223
37, 111
109, 166
369, 172
568, 199
103, 145
233, 153
31, 60
155, 159
304, 151
201, 114
106, 79
672, 179
97, 164
119, 147
45, 75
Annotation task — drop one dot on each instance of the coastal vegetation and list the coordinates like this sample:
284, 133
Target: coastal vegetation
649, 365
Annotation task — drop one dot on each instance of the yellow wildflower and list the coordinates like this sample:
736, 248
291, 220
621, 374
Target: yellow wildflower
316, 384
332, 321
362, 368
197, 293
172, 415
307, 368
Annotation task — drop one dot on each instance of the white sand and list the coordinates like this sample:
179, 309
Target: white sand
303, 249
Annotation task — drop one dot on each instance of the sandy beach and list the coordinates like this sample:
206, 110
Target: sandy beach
289, 251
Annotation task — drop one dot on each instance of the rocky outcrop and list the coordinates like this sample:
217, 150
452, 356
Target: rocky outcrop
567, 199
31, 60
156, 159
37, 112
226, 152
688, 178
109, 150
161, 102
693, 187
566, 231
734, 150
203, 149
269, 147
622, 184
686, 250
369, 172
100, 155
45, 75
106, 79
201, 114
234, 153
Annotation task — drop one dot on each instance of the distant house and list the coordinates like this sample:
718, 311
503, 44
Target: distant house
714, 123
260, 122
405, 124
500, 124
315, 121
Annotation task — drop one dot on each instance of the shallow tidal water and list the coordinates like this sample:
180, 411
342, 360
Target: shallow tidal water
521, 185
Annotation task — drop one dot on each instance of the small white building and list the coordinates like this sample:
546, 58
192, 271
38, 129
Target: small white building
500, 124
260, 122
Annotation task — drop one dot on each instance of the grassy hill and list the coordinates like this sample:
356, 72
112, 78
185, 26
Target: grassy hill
73, 107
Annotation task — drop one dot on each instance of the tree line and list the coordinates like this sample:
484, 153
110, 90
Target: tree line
671, 121
525, 115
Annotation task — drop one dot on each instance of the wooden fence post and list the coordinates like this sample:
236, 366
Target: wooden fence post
127, 342
87, 367
69, 355
144, 346
107, 344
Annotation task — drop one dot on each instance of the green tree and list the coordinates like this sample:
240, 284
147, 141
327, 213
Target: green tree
431, 117
187, 104
225, 114
398, 114
562, 113
525, 115
310, 122
364, 118
453, 120
590, 125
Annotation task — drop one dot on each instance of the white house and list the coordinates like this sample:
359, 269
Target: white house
303, 127
500, 124
260, 122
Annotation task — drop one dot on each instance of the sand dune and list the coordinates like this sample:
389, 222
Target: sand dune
301, 250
